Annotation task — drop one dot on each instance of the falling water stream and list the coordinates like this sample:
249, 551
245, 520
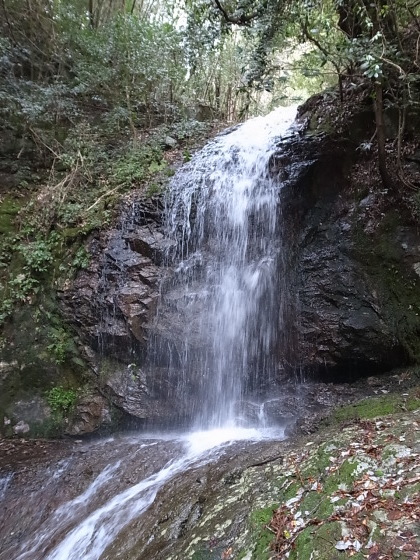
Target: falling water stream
227, 285
223, 211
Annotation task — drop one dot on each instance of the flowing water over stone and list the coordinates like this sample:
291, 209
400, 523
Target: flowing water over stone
75, 508
227, 290
223, 213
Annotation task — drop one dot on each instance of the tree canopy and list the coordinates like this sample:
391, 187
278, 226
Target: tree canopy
135, 62
373, 42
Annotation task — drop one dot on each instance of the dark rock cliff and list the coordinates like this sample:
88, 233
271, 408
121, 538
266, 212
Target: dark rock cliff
112, 300
111, 305
355, 253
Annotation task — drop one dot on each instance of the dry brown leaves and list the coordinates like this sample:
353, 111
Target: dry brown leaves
368, 495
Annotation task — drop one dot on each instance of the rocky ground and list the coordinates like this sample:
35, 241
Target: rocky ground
303, 407
350, 487
16, 453
350, 490
354, 495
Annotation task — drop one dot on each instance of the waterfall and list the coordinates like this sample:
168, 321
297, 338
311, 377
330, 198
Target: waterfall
223, 299
223, 304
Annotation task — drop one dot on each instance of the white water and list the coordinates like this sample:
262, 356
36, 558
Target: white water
223, 210
4, 483
83, 534
228, 267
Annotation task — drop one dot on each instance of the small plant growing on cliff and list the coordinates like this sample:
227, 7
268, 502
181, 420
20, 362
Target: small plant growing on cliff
153, 189
60, 345
37, 254
81, 259
61, 400
138, 165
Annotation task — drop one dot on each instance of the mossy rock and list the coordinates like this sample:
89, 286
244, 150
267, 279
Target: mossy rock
9, 209
316, 543
376, 407
262, 537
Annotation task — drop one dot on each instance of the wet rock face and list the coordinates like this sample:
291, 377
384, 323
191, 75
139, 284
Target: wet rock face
112, 301
352, 262
91, 412
353, 278
341, 318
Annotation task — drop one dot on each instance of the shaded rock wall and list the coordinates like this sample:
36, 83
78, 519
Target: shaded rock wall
354, 251
112, 300
112, 304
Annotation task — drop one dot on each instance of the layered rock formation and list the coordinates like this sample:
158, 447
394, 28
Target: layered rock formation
111, 305
111, 301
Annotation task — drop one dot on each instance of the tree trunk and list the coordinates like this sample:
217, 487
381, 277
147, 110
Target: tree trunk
381, 137
91, 15
217, 92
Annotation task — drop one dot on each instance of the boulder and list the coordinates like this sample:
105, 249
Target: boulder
90, 413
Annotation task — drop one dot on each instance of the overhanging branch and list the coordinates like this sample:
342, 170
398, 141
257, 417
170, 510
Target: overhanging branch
243, 19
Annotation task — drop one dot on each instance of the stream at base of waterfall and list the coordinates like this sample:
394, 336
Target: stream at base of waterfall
226, 277
77, 508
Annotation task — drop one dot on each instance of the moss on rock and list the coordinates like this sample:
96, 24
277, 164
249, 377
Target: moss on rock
377, 407
262, 537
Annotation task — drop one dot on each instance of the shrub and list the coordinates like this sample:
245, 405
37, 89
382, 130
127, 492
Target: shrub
61, 400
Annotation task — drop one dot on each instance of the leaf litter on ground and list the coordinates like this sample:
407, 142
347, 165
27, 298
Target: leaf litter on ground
378, 511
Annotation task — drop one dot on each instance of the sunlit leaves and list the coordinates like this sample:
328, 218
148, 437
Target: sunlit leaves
370, 66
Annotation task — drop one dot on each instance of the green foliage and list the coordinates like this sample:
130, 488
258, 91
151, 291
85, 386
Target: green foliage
127, 70
37, 255
61, 400
131, 68
29, 260
137, 165
60, 345
6, 308
186, 129
22, 286
186, 155
81, 259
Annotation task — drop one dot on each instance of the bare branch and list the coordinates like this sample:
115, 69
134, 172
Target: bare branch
11, 35
244, 20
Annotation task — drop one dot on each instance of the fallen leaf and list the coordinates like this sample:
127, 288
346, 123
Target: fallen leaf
394, 515
226, 554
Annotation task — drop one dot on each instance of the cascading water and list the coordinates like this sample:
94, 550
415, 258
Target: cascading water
222, 300
226, 291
